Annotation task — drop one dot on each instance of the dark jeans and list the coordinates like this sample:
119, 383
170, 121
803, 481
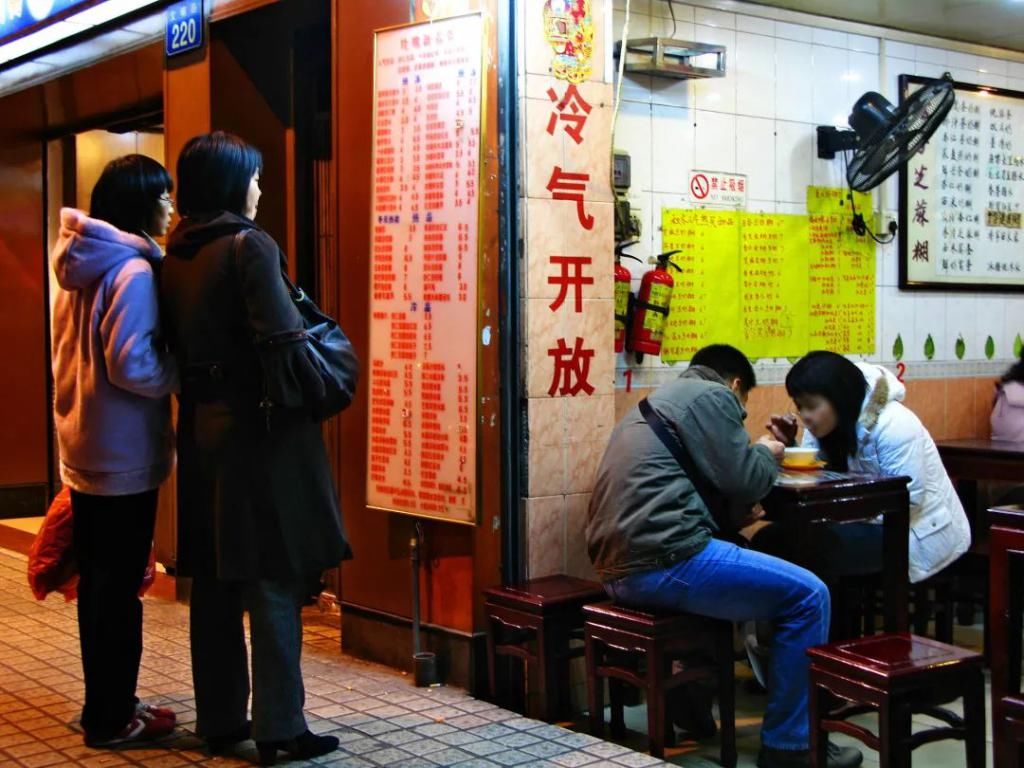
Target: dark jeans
828, 550
112, 539
220, 667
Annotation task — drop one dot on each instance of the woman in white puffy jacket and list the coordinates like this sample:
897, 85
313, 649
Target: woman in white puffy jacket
853, 413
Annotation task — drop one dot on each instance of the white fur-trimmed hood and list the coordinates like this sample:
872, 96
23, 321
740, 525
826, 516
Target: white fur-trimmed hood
883, 388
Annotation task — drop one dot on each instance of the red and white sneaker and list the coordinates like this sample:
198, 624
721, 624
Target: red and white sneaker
140, 729
151, 712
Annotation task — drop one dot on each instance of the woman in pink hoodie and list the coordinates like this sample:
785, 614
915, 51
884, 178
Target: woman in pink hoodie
1008, 410
112, 383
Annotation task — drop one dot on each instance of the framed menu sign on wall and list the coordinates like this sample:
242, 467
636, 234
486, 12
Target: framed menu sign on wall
424, 269
961, 197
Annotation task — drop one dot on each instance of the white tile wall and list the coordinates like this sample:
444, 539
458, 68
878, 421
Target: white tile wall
962, 320
753, 62
661, 26
755, 25
794, 71
783, 80
830, 68
755, 155
794, 145
682, 12
672, 93
714, 18
865, 44
716, 142
674, 146
634, 132
799, 32
716, 93
929, 313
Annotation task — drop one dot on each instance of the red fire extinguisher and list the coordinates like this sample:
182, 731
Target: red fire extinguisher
651, 308
623, 279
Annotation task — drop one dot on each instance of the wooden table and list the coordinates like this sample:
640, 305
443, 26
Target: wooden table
847, 498
1006, 570
968, 461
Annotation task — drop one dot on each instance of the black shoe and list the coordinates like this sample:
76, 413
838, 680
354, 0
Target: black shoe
303, 747
838, 757
221, 743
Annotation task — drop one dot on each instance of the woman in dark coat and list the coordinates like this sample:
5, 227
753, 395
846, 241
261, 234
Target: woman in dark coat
258, 512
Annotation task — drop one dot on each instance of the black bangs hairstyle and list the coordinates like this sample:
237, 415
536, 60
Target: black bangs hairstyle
214, 171
839, 381
128, 192
729, 363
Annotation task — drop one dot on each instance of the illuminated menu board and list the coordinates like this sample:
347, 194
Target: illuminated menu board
423, 304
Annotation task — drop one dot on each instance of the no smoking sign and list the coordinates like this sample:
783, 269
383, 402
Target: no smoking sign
712, 188
699, 186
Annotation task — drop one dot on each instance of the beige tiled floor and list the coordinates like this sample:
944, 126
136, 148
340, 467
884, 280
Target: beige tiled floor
379, 716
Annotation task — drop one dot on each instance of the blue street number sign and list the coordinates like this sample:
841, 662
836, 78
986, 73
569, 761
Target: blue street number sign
184, 30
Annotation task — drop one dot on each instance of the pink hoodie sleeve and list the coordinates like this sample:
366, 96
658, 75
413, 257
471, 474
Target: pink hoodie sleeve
129, 329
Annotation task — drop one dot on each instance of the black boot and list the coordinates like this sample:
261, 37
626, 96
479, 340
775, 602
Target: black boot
223, 742
303, 747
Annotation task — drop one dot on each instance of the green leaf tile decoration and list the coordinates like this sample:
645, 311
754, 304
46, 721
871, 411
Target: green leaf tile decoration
929, 348
960, 348
1018, 346
990, 348
897, 347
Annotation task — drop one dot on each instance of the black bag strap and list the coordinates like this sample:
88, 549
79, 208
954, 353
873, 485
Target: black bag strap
710, 495
236, 244
297, 294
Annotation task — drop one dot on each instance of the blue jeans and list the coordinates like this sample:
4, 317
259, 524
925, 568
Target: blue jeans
829, 550
727, 582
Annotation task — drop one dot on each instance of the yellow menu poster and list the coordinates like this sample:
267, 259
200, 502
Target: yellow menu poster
842, 273
700, 310
774, 285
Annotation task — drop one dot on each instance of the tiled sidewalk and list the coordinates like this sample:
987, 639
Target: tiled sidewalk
380, 718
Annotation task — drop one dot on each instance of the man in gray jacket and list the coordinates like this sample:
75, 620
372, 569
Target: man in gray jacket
653, 537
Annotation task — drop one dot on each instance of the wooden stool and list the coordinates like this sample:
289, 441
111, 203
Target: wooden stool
1013, 730
896, 675
536, 622
638, 648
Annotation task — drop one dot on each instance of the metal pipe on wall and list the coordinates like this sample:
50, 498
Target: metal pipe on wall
510, 248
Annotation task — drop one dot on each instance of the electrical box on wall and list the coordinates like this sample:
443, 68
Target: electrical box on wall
621, 170
627, 224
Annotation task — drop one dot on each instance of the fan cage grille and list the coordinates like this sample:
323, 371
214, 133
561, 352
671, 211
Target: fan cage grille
915, 122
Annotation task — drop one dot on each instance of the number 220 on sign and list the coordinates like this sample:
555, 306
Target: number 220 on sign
184, 27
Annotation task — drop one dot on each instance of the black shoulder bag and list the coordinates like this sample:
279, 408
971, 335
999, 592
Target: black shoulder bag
325, 347
713, 499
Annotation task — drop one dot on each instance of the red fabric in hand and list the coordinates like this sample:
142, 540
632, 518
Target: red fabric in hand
51, 560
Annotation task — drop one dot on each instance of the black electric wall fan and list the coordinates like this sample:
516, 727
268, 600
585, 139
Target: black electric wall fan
885, 136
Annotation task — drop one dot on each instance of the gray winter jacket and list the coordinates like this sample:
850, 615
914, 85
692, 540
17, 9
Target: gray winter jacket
645, 513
